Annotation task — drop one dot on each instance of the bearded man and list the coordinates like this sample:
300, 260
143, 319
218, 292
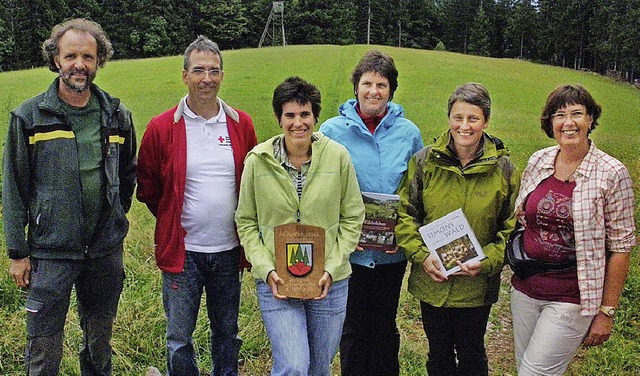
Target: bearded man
68, 179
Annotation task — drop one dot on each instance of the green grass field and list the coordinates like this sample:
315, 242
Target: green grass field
427, 78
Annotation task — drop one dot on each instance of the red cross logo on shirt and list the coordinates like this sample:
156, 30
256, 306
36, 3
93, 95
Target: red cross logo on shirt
221, 139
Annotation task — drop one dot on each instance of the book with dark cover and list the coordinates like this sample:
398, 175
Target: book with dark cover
381, 215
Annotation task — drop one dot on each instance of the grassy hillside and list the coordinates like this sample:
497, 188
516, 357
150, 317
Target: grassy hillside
426, 80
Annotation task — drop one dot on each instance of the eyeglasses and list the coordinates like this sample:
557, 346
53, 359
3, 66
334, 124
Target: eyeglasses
213, 72
562, 116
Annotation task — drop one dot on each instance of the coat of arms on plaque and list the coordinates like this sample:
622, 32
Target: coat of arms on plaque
299, 251
300, 256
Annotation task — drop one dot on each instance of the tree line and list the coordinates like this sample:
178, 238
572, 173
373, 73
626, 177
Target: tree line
596, 35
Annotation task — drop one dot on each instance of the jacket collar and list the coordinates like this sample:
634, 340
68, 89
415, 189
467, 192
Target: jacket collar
319, 143
233, 114
489, 152
52, 102
394, 110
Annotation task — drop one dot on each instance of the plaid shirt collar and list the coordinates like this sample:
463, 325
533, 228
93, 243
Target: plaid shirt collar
280, 151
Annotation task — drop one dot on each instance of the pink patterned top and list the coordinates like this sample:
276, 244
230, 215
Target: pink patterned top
603, 214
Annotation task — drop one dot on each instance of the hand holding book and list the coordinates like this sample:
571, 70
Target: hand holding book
433, 267
454, 248
469, 268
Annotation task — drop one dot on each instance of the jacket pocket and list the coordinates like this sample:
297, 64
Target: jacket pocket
111, 165
34, 305
114, 224
56, 221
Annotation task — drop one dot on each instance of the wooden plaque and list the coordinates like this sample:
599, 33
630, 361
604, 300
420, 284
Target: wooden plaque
299, 259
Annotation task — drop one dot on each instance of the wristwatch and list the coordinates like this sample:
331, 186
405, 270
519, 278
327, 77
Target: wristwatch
608, 311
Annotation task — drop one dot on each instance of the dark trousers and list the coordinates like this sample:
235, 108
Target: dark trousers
456, 340
98, 284
370, 340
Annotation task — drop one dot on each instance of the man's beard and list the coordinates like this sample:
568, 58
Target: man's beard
66, 77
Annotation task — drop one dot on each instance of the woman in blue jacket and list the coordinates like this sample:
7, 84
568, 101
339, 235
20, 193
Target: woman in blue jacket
380, 141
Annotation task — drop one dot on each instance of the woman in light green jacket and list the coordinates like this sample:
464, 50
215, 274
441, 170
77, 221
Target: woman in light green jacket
301, 177
469, 169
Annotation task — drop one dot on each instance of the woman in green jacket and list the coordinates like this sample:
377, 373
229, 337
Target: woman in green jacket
300, 177
469, 169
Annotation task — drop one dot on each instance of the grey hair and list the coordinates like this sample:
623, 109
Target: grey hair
201, 43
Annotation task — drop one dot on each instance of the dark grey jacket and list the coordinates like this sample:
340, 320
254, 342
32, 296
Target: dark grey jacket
41, 188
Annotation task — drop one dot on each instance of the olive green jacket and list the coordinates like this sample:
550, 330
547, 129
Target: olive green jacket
435, 184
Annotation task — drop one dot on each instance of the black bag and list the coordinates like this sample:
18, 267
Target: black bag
524, 266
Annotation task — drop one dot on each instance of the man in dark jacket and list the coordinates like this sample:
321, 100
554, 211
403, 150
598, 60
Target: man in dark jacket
68, 179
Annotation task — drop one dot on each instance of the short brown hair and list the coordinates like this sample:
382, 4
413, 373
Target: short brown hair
295, 89
568, 95
474, 94
50, 48
377, 62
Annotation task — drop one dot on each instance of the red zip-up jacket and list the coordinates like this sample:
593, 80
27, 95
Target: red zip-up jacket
162, 166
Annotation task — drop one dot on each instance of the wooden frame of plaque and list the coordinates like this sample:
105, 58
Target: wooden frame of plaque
299, 259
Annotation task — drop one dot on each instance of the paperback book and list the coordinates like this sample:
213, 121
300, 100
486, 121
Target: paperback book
452, 240
381, 215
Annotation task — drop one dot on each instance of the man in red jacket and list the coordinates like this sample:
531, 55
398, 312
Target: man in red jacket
190, 164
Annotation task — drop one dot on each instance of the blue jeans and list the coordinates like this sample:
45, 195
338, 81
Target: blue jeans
304, 334
98, 283
218, 275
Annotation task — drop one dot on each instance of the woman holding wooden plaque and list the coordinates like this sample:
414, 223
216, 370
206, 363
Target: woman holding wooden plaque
299, 198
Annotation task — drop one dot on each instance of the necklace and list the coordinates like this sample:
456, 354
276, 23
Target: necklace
573, 157
566, 180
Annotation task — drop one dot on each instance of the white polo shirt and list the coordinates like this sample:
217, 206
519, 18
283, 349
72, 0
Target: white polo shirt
210, 197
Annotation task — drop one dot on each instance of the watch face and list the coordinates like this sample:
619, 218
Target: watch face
611, 312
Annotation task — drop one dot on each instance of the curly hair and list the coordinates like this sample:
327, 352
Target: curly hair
566, 95
50, 48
